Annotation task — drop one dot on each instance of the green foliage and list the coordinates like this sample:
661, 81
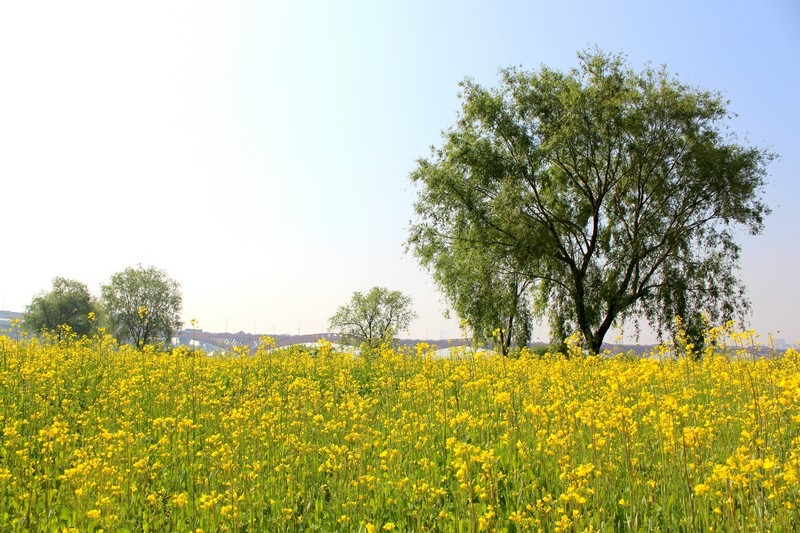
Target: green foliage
483, 287
143, 305
607, 193
374, 317
67, 303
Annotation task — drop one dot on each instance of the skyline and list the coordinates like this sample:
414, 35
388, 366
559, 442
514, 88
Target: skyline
260, 154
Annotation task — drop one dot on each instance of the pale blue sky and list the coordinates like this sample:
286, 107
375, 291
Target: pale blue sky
259, 152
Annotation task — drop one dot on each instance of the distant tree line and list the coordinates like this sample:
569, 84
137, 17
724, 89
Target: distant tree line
138, 306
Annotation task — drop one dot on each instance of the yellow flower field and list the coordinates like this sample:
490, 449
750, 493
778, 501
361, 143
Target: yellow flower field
94, 437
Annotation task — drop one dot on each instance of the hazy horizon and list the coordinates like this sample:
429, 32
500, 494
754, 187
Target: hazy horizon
259, 153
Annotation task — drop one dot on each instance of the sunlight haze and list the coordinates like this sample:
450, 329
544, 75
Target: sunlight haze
259, 152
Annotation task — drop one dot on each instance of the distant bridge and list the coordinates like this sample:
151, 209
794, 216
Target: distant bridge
228, 341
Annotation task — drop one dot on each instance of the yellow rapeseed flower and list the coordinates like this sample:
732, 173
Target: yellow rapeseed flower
701, 489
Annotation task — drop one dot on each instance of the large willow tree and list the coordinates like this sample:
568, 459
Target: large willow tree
612, 193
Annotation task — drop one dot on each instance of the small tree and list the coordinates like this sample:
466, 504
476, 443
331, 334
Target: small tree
143, 305
374, 317
68, 303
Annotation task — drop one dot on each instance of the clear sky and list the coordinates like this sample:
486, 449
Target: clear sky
259, 152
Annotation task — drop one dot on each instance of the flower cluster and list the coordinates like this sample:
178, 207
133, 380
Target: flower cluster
95, 436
